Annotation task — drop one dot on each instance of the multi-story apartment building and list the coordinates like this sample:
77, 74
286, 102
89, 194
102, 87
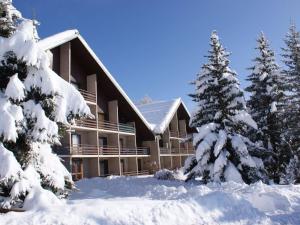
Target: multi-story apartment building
170, 124
119, 140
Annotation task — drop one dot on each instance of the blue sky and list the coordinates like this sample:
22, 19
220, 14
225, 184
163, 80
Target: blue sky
156, 47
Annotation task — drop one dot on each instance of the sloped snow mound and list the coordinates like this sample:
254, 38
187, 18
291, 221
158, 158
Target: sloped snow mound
41, 199
147, 201
166, 174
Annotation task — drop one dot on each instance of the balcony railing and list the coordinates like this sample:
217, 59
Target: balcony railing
176, 134
167, 151
87, 123
109, 150
135, 151
191, 151
84, 149
107, 125
175, 151
88, 96
127, 128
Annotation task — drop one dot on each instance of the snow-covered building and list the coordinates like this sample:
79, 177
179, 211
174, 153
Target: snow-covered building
169, 121
118, 140
122, 139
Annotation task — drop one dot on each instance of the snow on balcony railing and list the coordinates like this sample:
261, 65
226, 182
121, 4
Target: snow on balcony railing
88, 96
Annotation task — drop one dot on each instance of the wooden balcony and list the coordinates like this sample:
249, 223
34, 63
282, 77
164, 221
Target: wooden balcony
105, 125
174, 134
167, 151
121, 127
177, 134
86, 123
84, 149
135, 151
127, 128
175, 151
109, 150
88, 96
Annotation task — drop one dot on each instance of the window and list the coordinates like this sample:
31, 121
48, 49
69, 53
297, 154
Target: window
76, 139
161, 143
102, 141
77, 169
103, 167
139, 165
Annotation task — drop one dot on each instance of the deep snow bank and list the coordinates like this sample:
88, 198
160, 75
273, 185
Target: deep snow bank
145, 200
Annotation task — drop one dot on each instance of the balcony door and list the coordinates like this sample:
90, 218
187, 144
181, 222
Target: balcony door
102, 141
77, 169
103, 145
76, 140
104, 168
139, 165
76, 144
122, 162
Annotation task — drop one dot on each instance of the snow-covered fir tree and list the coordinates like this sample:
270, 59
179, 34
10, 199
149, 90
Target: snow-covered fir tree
35, 105
291, 59
223, 153
266, 106
292, 172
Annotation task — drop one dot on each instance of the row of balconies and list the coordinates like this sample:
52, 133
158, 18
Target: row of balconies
103, 151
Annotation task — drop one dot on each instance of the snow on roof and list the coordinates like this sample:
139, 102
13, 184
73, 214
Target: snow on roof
159, 114
63, 37
58, 39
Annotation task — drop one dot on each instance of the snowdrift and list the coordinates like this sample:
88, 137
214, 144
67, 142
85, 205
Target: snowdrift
146, 200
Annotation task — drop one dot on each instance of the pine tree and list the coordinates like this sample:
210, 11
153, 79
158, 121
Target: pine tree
222, 152
266, 105
35, 105
292, 172
291, 59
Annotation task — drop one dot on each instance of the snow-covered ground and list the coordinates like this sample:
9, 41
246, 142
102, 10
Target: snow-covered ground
146, 200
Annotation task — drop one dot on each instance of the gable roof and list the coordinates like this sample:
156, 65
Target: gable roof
159, 114
66, 36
